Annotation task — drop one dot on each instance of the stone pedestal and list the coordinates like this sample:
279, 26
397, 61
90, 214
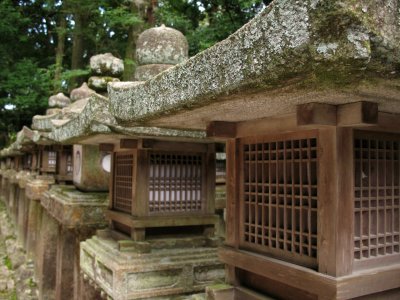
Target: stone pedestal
162, 267
76, 215
23, 207
33, 192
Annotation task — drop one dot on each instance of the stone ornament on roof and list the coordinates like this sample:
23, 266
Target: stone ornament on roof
105, 68
161, 45
157, 50
106, 64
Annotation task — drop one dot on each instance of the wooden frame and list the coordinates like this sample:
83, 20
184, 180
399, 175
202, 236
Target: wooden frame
377, 199
65, 164
169, 181
48, 160
276, 200
336, 181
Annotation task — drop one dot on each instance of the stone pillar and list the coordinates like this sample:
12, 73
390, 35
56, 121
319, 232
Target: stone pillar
78, 215
66, 247
12, 201
33, 227
34, 190
21, 212
46, 257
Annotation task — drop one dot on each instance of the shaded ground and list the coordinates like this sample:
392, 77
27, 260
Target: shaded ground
16, 271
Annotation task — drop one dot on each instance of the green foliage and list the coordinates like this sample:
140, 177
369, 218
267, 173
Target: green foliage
24, 92
206, 22
7, 262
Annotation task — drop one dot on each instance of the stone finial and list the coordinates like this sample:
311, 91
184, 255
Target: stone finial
81, 93
143, 73
59, 100
106, 64
161, 45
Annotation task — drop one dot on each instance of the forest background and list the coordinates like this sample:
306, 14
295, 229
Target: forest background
45, 45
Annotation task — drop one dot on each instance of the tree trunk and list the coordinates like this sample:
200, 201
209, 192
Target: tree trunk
77, 48
61, 32
140, 9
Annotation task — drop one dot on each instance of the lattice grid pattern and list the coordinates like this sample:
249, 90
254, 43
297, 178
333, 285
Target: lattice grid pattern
377, 185
175, 183
280, 196
52, 160
70, 164
123, 182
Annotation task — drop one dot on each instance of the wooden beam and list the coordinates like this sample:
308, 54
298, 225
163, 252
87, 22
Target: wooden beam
174, 146
316, 114
128, 144
357, 114
369, 282
221, 129
266, 126
299, 277
106, 147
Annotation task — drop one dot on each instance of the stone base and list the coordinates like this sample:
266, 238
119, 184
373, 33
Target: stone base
161, 267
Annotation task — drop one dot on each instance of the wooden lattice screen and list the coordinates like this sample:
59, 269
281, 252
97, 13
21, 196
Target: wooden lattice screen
51, 161
70, 164
175, 183
28, 161
377, 186
123, 181
279, 197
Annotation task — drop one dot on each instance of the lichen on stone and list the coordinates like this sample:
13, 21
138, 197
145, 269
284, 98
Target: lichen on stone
318, 43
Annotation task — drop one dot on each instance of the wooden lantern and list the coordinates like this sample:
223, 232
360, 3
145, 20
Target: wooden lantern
313, 199
48, 160
64, 164
162, 184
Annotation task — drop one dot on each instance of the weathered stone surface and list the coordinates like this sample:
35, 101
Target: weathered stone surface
74, 109
81, 93
43, 123
99, 83
95, 118
89, 175
106, 64
161, 45
146, 72
59, 100
52, 111
293, 52
36, 187
162, 272
73, 208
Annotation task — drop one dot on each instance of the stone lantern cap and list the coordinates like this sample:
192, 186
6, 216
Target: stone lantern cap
81, 93
161, 45
59, 100
106, 64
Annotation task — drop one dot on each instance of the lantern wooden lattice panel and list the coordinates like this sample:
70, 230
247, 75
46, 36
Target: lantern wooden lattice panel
279, 196
377, 186
175, 183
51, 160
123, 181
70, 164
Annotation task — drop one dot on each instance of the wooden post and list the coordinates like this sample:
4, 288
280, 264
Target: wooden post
232, 203
335, 201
